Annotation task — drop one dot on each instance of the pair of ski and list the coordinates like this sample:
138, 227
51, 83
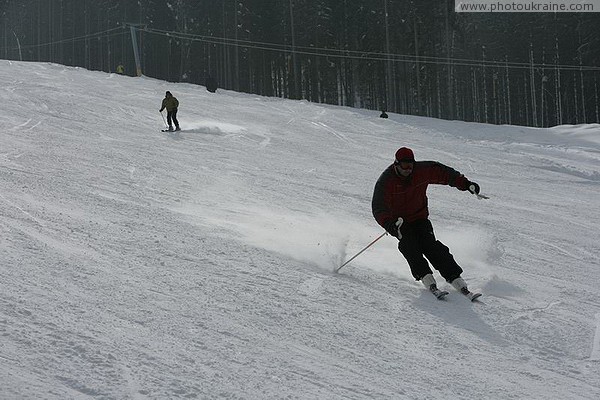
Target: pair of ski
441, 294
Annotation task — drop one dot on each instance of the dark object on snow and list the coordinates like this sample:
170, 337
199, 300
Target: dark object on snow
383, 114
211, 84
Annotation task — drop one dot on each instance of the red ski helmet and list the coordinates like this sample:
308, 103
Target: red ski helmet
405, 154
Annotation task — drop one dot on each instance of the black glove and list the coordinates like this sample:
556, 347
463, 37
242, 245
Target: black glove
473, 187
393, 227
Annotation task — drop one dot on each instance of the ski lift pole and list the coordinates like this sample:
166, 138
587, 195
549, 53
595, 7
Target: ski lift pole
360, 252
136, 51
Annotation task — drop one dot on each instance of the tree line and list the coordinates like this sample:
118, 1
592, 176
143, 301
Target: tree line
414, 57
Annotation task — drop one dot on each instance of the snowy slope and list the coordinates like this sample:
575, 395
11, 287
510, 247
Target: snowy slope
136, 264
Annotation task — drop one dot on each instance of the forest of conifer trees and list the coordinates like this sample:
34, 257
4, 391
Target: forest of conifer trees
405, 56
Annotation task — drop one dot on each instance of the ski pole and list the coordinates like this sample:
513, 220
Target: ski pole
360, 252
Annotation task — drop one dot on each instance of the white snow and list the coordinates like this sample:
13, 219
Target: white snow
136, 264
596, 348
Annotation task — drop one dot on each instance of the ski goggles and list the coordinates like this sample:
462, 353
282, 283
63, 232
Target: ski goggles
405, 164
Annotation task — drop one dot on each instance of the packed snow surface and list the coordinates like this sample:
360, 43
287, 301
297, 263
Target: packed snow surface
137, 264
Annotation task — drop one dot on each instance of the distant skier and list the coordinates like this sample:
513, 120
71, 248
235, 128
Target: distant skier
399, 205
171, 104
383, 114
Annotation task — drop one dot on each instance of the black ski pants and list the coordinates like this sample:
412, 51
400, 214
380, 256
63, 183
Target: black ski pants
418, 241
172, 115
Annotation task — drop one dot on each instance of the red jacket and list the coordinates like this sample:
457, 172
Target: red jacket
398, 196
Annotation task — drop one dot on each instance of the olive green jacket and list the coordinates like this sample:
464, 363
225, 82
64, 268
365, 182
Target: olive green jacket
170, 103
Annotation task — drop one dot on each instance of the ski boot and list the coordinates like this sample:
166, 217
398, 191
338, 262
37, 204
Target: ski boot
429, 282
460, 285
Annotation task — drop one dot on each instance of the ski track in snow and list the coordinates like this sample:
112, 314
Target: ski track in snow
136, 264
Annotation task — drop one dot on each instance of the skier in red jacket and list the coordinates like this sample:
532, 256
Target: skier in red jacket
400, 206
